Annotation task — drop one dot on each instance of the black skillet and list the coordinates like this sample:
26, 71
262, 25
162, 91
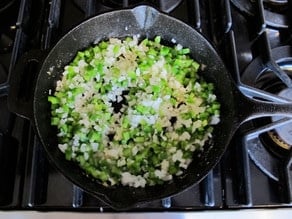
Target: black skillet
147, 22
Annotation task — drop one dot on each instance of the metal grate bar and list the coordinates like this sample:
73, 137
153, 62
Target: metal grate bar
166, 202
53, 22
260, 23
77, 197
39, 176
208, 190
288, 178
227, 16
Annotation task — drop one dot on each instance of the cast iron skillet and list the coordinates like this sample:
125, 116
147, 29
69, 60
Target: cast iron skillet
147, 22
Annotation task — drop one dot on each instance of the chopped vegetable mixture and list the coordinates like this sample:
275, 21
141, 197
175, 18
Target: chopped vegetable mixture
133, 112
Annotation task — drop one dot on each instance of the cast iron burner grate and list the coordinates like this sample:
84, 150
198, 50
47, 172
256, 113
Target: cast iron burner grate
32, 182
282, 136
275, 12
104, 5
260, 76
164, 5
269, 143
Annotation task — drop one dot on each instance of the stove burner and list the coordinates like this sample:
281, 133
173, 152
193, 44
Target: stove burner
273, 141
276, 138
282, 135
275, 11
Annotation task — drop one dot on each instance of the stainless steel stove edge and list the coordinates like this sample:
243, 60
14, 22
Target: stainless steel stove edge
238, 214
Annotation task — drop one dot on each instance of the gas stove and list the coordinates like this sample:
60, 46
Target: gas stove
254, 39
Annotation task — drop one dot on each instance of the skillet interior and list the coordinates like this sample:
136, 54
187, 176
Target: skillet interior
147, 22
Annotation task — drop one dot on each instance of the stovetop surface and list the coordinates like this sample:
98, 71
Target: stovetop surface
252, 174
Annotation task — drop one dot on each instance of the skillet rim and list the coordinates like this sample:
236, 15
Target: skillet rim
49, 153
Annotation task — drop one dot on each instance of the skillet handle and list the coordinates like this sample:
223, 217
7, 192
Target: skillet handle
251, 104
21, 82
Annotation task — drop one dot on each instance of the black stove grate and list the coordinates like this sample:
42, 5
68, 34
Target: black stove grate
32, 183
263, 51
